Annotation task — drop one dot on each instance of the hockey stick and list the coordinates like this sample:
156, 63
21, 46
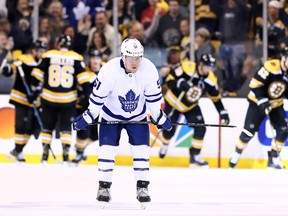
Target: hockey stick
36, 112
191, 124
3, 59
171, 112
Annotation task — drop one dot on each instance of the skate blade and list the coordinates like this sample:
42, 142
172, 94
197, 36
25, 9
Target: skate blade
144, 205
13, 159
196, 166
102, 204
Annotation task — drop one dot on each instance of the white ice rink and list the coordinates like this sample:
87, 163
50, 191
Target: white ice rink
56, 190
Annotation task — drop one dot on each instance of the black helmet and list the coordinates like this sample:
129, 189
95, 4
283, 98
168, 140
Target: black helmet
285, 51
39, 45
95, 52
208, 59
65, 41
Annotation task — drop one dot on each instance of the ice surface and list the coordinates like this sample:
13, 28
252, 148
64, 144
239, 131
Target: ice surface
56, 190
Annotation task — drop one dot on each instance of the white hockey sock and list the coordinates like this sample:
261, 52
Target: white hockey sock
106, 162
141, 165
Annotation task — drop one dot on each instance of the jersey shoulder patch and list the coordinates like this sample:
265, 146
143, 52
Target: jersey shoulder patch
27, 59
188, 67
211, 79
273, 66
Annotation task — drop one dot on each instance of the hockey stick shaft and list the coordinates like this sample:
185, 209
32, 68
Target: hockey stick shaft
36, 112
191, 124
171, 112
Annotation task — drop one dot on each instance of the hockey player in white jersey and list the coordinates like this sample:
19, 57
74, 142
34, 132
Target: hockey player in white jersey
126, 87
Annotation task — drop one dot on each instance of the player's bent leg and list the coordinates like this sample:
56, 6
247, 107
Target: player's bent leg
240, 146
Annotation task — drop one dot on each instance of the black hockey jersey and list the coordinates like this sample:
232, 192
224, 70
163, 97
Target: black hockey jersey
200, 86
269, 82
59, 73
18, 95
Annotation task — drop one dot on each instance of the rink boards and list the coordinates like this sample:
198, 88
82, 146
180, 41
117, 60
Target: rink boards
218, 143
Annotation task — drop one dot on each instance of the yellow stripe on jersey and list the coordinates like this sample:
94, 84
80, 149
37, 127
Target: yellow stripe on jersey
83, 77
273, 103
254, 83
61, 98
172, 99
215, 98
21, 98
38, 74
169, 77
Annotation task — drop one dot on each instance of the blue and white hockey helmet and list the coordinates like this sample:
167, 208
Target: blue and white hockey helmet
132, 47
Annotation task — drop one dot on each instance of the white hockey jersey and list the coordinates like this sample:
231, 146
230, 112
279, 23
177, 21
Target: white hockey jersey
122, 96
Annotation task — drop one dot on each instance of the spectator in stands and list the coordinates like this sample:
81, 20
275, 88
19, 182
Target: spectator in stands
233, 26
75, 10
148, 13
19, 10
99, 43
123, 17
56, 19
168, 32
102, 24
204, 17
203, 43
5, 47
276, 29
185, 41
45, 28
136, 30
3, 9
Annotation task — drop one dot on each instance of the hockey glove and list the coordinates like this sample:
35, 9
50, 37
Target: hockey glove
81, 121
184, 85
31, 98
162, 122
264, 106
7, 70
224, 117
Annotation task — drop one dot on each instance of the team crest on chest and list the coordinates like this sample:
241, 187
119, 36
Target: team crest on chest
130, 102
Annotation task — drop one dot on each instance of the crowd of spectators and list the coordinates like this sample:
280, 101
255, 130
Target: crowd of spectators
229, 29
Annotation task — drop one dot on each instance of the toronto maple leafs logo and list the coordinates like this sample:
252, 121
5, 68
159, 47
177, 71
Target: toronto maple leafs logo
130, 102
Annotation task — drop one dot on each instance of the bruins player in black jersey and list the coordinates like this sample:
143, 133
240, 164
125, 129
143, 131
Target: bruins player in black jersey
25, 122
267, 89
194, 80
85, 137
57, 75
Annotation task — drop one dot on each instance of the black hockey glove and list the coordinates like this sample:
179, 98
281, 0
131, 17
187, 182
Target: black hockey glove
184, 85
264, 106
7, 70
31, 98
162, 122
224, 117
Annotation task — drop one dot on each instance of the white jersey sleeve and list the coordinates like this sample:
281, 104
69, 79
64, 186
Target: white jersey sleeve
102, 86
153, 91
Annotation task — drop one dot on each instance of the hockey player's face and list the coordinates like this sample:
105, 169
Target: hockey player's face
204, 70
132, 63
95, 62
284, 63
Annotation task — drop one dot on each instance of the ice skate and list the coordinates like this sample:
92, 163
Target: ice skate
103, 195
16, 156
142, 193
234, 159
274, 161
79, 157
195, 159
163, 151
